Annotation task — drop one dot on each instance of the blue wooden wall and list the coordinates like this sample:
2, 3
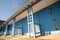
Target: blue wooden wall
56, 8
43, 18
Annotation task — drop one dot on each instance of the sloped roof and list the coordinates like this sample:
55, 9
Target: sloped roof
30, 3
41, 5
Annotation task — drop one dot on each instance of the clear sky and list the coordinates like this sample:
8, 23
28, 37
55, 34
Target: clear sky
9, 7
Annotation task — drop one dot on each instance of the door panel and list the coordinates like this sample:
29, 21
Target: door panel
46, 22
36, 24
25, 26
56, 9
18, 28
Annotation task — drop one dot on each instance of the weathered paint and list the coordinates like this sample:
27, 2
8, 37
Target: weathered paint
18, 27
56, 9
9, 28
42, 4
46, 22
13, 27
21, 27
25, 26
43, 19
5, 33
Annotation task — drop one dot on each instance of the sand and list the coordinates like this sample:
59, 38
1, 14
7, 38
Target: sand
17, 37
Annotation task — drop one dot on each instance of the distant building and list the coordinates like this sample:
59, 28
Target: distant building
37, 17
1, 22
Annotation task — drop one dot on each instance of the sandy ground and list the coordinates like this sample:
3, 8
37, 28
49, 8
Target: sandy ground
47, 37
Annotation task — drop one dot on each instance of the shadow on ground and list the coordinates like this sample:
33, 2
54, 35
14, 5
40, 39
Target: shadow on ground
2, 39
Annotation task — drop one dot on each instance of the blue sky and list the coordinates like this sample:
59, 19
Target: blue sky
9, 7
